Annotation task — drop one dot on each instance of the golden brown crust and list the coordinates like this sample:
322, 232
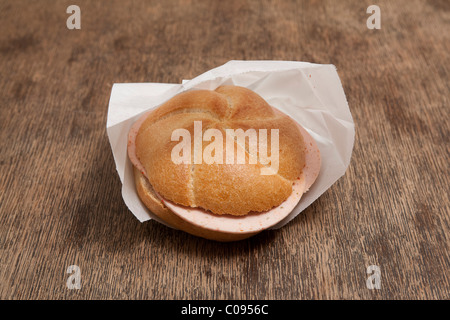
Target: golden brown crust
154, 204
235, 189
291, 150
219, 187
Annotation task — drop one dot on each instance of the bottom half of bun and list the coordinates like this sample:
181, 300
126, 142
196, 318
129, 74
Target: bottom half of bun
151, 200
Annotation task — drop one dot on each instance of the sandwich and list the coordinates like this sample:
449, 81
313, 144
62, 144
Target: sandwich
221, 164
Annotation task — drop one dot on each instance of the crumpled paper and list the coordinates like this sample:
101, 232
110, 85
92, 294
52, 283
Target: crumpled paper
311, 94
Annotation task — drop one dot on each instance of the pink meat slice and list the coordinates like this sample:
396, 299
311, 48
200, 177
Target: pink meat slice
251, 222
132, 134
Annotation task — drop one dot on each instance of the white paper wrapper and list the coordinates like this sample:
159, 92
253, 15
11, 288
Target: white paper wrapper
311, 94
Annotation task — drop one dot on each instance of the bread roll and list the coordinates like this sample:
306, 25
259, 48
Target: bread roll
235, 189
229, 188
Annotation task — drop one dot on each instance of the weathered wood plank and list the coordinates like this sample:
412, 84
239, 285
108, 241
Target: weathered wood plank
60, 200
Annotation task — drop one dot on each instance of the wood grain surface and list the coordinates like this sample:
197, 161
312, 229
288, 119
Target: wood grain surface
60, 195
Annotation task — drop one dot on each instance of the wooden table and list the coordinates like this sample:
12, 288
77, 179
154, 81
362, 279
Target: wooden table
60, 195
